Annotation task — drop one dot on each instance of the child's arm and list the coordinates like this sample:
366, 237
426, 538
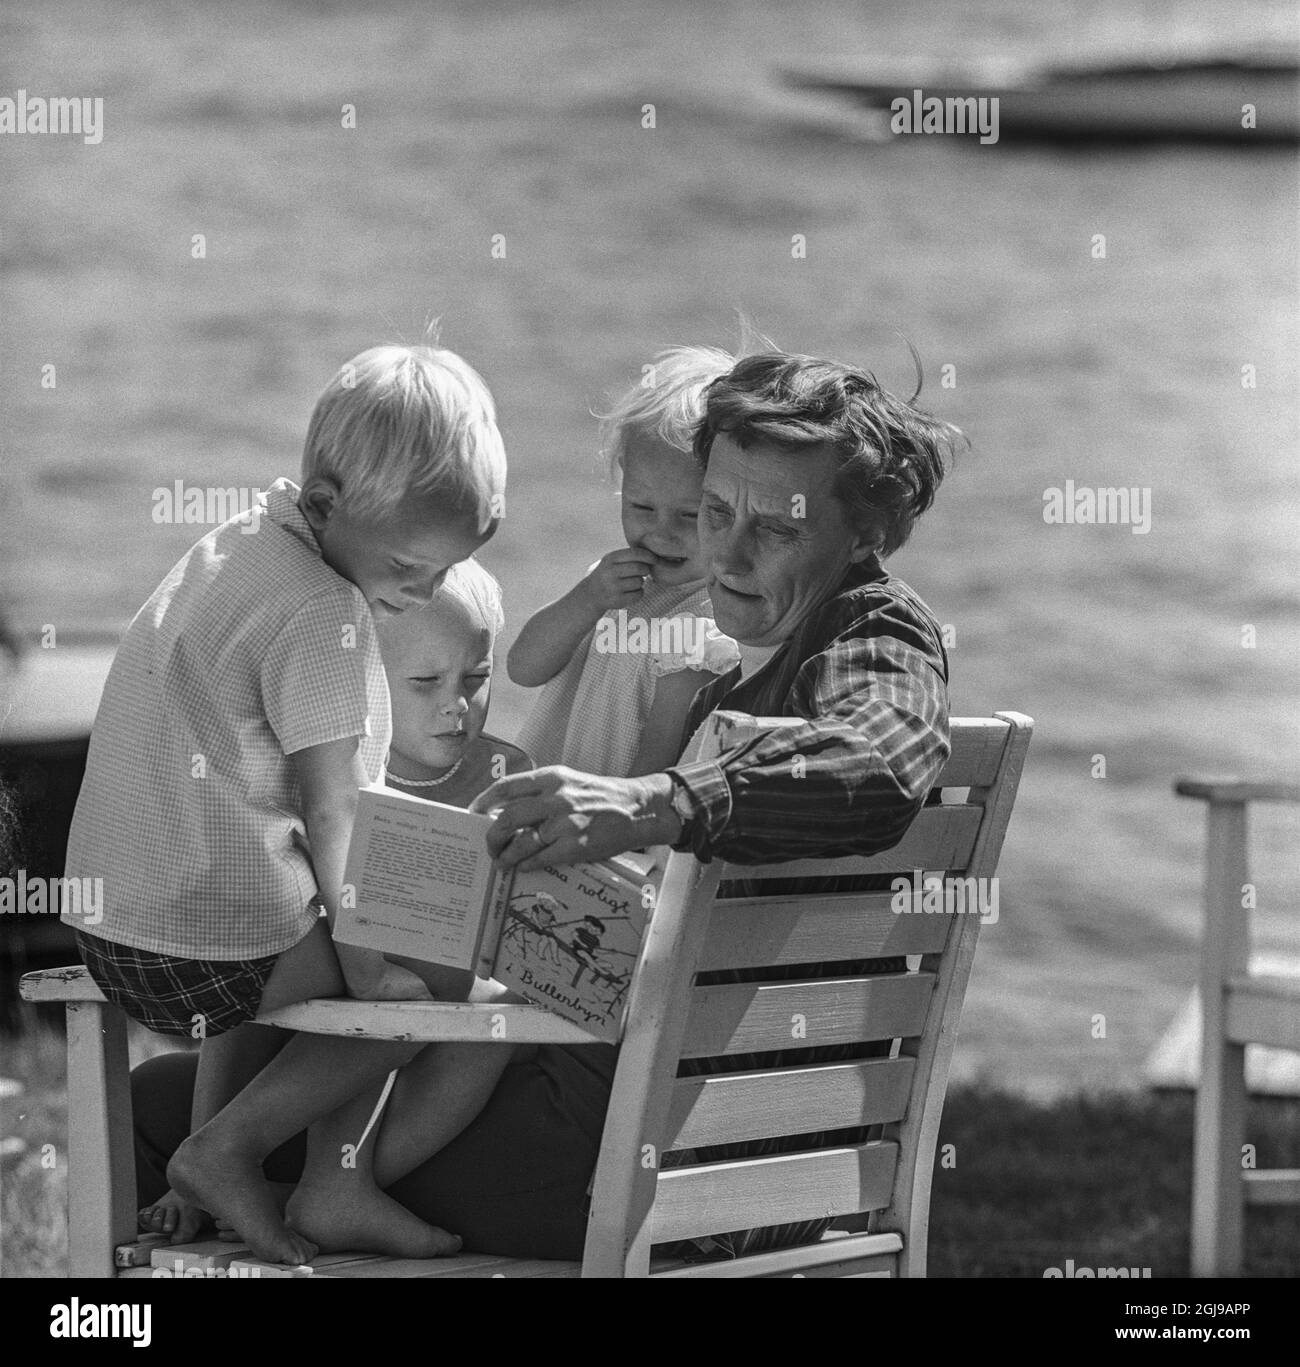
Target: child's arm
552, 634
329, 779
661, 736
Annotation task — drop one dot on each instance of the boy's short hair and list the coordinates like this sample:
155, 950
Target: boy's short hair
402, 421
477, 588
892, 455
668, 403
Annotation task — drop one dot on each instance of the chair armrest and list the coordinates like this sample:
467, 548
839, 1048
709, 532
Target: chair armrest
1236, 790
504, 1023
71, 984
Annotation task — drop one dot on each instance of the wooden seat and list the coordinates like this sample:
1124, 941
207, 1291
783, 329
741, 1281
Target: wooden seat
1238, 1008
652, 1186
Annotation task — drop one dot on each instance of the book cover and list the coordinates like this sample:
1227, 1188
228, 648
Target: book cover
571, 939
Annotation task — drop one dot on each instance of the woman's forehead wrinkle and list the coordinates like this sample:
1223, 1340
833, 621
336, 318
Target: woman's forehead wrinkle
769, 488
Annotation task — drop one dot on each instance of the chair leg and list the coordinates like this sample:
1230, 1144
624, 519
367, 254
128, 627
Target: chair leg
1217, 1187
101, 1164
1217, 1214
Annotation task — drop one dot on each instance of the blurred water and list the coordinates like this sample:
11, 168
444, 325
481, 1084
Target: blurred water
525, 120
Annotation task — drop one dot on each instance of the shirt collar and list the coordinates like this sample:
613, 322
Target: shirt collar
281, 507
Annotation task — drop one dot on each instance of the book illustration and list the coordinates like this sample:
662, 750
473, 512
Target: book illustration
571, 939
541, 928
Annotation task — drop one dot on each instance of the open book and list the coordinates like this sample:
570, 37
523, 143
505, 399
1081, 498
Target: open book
420, 882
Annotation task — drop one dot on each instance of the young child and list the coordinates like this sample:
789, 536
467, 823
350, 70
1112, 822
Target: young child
439, 666
623, 653
438, 660
245, 708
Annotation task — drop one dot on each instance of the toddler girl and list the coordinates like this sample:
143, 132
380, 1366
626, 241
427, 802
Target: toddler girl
623, 653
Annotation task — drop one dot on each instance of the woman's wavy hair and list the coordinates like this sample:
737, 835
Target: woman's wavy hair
892, 455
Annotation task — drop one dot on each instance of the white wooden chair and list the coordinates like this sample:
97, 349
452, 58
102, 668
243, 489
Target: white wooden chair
1238, 1008
637, 1200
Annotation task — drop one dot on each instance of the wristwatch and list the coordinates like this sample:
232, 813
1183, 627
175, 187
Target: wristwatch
683, 804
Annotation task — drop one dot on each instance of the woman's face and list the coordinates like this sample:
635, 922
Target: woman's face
661, 502
439, 665
774, 536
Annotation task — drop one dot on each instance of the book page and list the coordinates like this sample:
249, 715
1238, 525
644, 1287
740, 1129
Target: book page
421, 875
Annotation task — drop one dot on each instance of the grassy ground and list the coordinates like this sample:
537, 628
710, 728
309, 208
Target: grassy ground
1103, 1179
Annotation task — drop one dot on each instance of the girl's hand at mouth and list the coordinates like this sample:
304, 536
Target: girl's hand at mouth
618, 579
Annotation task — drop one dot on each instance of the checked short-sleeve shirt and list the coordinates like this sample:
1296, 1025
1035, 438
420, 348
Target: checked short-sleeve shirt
250, 650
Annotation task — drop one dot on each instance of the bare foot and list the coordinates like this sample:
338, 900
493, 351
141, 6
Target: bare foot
231, 1186
350, 1214
175, 1216
280, 1190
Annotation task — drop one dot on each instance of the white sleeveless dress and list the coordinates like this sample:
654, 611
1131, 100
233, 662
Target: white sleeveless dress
591, 714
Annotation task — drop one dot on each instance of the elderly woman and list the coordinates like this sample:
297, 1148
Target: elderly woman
813, 473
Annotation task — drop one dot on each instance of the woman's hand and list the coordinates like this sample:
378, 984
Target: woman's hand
559, 816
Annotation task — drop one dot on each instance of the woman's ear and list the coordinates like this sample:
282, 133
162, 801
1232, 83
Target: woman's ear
862, 550
867, 541
319, 499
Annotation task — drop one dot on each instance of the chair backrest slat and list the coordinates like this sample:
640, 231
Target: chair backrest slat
800, 1098
719, 1197
756, 932
753, 1018
941, 837
978, 744
728, 1107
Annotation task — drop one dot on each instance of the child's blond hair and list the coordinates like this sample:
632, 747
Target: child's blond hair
477, 588
668, 403
402, 421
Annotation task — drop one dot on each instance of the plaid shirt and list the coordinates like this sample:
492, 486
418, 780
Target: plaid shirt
868, 671
250, 650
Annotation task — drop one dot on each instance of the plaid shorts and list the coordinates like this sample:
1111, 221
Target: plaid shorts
167, 994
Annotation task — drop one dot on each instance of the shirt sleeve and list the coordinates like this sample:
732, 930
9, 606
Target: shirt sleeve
706, 650
853, 774
314, 673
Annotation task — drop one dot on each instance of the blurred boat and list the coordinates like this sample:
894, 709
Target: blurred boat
1209, 99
